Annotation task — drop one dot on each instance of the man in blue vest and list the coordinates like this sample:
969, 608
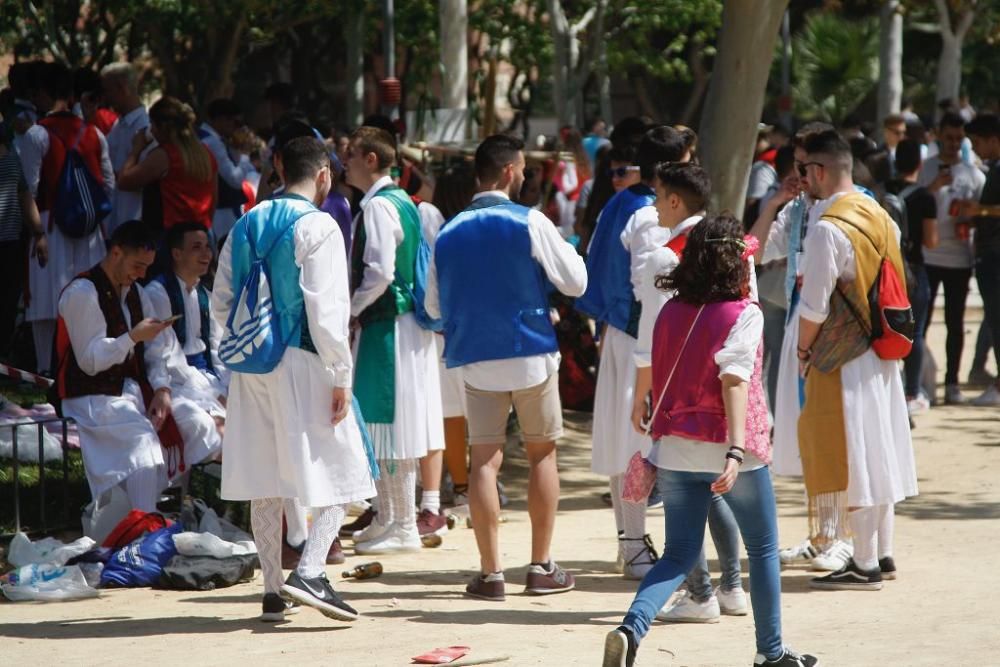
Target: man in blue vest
493, 267
626, 235
290, 432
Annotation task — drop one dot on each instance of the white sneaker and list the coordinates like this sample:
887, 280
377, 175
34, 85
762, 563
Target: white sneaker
918, 405
638, 556
800, 552
988, 399
374, 531
732, 602
395, 540
953, 395
688, 610
834, 557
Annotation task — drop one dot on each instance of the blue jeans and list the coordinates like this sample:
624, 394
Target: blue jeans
725, 534
988, 277
920, 298
686, 499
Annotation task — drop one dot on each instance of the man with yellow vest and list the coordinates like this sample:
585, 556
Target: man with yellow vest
854, 435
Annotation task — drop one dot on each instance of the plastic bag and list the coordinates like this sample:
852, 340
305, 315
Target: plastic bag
49, 550
211, 522
207, 544
194, 573
104, 513
141, 563
46, 583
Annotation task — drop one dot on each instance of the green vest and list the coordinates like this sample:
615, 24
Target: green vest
395, 300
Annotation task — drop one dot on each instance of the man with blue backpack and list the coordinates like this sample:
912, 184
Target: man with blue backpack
281, 292
397, 381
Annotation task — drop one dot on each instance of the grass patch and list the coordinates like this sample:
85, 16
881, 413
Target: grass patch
63, 504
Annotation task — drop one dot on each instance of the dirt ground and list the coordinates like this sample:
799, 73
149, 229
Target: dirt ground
941, 610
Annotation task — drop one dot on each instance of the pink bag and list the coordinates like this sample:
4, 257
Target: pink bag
640, 475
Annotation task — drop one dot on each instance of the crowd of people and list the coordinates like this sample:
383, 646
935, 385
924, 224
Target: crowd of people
341, 326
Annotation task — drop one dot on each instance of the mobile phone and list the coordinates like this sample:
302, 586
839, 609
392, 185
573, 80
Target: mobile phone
171, 319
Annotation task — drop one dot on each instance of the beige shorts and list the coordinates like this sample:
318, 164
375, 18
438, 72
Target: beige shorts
539, 413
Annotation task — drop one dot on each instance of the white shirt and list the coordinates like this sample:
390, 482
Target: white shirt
35, 146
567, 272
967, 183
383, 234
125, 205
88, 334
642, 235
780, 233
319, 253
231, 169
737, 357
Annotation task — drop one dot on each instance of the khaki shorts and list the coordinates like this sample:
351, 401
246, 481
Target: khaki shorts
539, 413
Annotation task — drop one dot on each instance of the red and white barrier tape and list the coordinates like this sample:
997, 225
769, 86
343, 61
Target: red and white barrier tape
25, 376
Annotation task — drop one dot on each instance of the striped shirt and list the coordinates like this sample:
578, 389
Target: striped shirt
12, 183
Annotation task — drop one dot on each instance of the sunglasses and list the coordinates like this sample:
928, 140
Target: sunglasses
804, 167
622, 172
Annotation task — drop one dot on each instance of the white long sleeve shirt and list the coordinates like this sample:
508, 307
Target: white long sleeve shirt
319, 253
95, 352
383, 234
126, 205
566, 271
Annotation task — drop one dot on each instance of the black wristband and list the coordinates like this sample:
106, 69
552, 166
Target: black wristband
734, 456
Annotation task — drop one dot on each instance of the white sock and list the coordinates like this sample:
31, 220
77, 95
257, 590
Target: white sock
265, 520
143, 488
295, 518
430, 500
864, 525
633, 520
886, 529
326, 524
383, 502
827, 523
616, 501
403, 493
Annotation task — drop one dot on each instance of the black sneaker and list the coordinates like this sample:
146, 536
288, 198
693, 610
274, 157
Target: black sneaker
620, 647
888, 568
274, 609
318, 594
849, 578
788, 659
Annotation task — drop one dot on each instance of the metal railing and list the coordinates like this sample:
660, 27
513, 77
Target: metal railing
40, 426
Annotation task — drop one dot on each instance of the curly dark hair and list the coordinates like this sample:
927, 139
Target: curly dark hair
712, 267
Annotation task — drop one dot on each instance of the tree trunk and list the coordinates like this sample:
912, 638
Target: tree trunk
604, 84
700, 78
354, 107
561, 67
890, 59
454, 18
949, 70
736, 97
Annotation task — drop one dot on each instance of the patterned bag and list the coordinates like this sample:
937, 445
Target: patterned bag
844, 335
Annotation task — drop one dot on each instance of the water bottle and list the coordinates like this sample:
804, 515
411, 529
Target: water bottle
365, 571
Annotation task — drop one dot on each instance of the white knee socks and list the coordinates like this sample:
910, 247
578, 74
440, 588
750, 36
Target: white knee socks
295, 519
265, 520
403, 493
326, 524
886, 528
143, 489
382, 504
616, 484
864, 524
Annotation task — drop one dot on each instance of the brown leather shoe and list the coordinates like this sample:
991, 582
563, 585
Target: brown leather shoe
336, 553
545, 581
363, 521
429, 523
487, 587
289, 556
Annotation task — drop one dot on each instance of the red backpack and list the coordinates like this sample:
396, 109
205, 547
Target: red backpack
135, 524
892, 320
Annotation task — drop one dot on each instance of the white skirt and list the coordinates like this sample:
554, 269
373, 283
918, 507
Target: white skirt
881, 468
418, 426
614, 439
280, 443
116, 437
67, 259
452, 385
786, 459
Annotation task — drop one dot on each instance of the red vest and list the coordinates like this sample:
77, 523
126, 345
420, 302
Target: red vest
71, 380
184, 198
677, 244
692, 407
63, 128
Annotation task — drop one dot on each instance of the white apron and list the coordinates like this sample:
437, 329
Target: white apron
615, 441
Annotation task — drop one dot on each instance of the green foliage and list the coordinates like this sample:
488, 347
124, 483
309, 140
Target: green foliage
835, 65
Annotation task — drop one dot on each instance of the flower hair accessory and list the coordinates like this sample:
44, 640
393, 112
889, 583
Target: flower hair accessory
748, 244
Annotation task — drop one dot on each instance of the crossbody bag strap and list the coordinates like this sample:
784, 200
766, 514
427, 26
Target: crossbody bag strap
670, 377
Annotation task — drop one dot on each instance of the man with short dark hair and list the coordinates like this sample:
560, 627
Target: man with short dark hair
112, 378
120, 85
221, 122
984, 130
290, 431
488, 282
854, 434
397, 380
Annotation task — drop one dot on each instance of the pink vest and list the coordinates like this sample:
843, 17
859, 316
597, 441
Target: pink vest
692, 407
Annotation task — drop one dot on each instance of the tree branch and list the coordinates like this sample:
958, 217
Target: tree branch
944, 17
584, 21
968, 16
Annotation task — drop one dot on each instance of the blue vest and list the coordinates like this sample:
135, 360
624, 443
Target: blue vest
609, 296
494, 300
172, 284
271, 225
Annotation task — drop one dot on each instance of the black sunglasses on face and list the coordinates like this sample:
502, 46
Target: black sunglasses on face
621, 172
803, 167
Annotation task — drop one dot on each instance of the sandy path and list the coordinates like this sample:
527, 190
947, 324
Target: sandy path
940, 611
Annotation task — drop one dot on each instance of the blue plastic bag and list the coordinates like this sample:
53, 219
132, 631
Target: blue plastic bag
141, 562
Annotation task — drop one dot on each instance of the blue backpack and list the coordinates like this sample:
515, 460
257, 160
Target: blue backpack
81, 202
250, 343
419, 291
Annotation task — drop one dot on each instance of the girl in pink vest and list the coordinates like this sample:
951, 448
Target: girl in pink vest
710, 416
